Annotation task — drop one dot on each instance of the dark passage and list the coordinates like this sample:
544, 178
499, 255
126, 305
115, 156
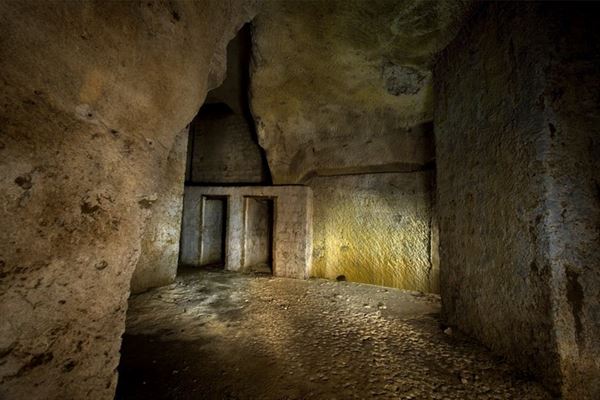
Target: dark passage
214, 226
258, 249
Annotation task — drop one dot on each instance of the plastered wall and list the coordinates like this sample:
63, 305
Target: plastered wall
292, 234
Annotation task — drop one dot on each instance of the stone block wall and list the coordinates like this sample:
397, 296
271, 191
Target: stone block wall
223, 150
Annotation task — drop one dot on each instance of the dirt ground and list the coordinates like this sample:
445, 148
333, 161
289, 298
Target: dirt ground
219, 335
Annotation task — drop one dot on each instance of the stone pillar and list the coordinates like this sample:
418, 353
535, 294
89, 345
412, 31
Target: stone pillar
235, 231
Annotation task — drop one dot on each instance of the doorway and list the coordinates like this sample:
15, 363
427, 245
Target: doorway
213, 231
258, 226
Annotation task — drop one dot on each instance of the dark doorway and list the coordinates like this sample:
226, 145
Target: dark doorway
213, 231
258, 226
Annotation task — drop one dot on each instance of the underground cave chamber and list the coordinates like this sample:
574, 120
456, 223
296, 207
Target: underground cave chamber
302, 200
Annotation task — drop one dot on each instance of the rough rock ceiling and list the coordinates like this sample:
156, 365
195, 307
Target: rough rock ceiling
345, 85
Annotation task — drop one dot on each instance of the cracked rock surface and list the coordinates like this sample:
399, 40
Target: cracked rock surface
231, 336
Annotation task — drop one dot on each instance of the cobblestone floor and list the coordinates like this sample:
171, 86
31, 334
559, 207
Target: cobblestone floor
217, 335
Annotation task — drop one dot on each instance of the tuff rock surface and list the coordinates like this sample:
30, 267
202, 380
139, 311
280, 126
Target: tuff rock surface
340, 86
516, 122
92, 96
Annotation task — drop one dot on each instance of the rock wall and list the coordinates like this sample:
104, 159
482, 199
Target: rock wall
517, 153
234, 89
341, 85
157, 264
92, 96
572, 102
224, 148
375, 228
341, 92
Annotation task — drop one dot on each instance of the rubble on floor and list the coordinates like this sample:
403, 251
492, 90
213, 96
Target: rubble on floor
223, 335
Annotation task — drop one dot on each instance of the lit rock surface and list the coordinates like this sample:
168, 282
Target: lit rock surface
159, 254
92, 96
375, 228
341, 92
338, 85
221, 335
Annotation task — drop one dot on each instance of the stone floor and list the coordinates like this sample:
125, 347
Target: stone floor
216, 335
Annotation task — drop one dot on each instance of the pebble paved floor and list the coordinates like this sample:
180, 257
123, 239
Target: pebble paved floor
217, 335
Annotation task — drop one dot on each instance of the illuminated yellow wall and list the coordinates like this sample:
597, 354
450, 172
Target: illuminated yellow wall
375, 228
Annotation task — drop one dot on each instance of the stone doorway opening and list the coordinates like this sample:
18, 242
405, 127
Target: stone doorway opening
213, 231
259, 238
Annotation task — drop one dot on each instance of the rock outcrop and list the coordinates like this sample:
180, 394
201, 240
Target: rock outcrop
92, 95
